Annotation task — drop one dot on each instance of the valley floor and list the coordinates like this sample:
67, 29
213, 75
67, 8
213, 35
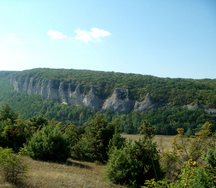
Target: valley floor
164, 142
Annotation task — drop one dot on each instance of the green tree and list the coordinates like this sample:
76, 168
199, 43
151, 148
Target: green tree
147, 130
93, 145
117, 140
134, 163
14, 135
210, 157
12, 168
72, 135
198, 149
38, 122
6, 113
194, 176
49, 144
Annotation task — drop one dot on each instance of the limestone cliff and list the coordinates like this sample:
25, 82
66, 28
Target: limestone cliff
119, 101
144, 105
71, 93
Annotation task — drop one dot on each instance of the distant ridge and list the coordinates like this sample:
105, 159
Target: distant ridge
117, 92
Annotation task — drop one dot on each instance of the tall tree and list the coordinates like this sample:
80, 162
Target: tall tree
93, 145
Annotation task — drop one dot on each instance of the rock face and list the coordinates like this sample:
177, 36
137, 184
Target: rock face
70, 93
92, 100
119, 101
198, 106
194, 106
144, 105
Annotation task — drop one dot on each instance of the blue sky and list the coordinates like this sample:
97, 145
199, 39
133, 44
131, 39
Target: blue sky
164, 38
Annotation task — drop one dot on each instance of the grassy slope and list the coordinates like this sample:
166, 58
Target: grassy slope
74, 175
77, 174
44, 174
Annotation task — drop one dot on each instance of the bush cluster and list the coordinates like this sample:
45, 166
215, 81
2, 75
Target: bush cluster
49, 144
134, 163
12, 168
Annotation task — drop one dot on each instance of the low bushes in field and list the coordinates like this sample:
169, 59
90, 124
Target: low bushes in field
11, 167
134, 163
49, 144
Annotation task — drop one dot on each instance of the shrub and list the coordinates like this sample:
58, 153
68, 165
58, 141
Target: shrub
117, 142
6, 113
94, 143
170, 164
134, 163
191, 176
195, 176
211, 157
72, 134
11, 167
49, 144
13, 135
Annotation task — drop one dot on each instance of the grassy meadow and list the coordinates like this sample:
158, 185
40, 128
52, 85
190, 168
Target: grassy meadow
164, 142
75, 173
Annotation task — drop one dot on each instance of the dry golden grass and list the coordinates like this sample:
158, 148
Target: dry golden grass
75, 174
164, 143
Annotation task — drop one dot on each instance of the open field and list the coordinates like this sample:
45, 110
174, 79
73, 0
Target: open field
74, 174
164, 142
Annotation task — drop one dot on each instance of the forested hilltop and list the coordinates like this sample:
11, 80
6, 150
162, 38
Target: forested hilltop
76, 95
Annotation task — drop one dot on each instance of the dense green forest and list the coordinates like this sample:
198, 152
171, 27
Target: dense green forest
170, 96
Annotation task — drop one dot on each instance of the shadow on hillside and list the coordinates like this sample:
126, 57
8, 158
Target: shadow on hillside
77, 164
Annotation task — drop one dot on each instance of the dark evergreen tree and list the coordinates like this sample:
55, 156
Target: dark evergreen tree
134, 163
49, 144
6, 113
93, 145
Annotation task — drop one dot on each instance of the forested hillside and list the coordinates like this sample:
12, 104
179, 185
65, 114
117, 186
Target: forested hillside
162, 90
165, 103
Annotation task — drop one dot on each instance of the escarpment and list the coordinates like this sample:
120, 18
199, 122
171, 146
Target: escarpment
144, 105
71, 93
119, 101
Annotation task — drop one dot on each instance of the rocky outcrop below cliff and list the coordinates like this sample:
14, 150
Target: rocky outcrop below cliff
198, 106
144, 105
119, 101
71, 93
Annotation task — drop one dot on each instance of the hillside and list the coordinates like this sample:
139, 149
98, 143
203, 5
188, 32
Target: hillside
75, 174
75, 95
